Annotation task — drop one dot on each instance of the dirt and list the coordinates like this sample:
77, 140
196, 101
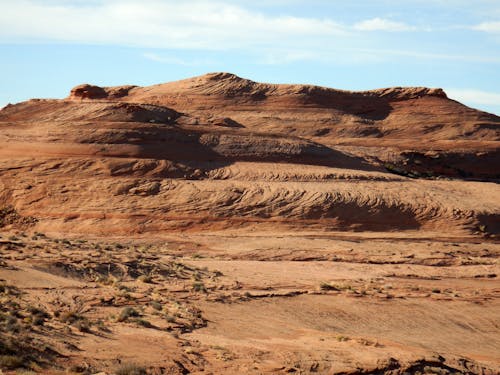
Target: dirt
216, 225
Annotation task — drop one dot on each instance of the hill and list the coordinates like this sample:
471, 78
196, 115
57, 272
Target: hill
221, 225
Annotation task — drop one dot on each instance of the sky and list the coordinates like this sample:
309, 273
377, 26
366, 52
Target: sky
47, 47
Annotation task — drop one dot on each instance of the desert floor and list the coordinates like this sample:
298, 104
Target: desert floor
253, 301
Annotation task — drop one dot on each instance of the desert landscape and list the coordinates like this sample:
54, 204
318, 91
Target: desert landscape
217, 225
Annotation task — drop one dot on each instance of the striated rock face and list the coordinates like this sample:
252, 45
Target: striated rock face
407, 93
219, 148
412, 112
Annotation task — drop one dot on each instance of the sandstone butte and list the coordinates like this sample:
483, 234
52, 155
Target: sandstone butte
216, 225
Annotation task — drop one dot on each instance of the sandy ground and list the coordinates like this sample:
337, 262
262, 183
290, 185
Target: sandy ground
239, 304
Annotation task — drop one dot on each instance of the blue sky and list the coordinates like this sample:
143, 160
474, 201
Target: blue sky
47, 47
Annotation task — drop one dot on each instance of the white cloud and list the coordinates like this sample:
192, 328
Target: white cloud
475, 96
489, 27
381, 24
422, 55
218, 25
199, 24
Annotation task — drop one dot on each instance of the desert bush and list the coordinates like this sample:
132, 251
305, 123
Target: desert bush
143, 323
10, 324
126, 313
69, 317
170, 318
27, 372
145, 279
327, 286
130, 369
198, 286
155, 305
38, 312
10, 362
77, 320
83, 325
101, 326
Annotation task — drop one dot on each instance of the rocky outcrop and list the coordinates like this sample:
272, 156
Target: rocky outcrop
87, 91
219, 148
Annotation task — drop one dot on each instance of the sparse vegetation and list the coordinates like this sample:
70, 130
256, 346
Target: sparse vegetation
143, 323
11, 362
9, 215
145, 279
130, 369
198, 286
156, 305
170, 318
83, 325
324, 252
126, 313
327, 286
38, 315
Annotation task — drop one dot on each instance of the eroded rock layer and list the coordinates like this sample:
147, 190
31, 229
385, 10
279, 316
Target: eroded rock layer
219, 149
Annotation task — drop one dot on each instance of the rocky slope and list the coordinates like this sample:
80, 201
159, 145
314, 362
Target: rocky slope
219, 149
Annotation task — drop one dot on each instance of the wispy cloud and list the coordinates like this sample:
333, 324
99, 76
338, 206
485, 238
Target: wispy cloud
473, 96
153, 23
218, 25
199, 24
381, 24
345, 55
489, 27
422, 55
165, 59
